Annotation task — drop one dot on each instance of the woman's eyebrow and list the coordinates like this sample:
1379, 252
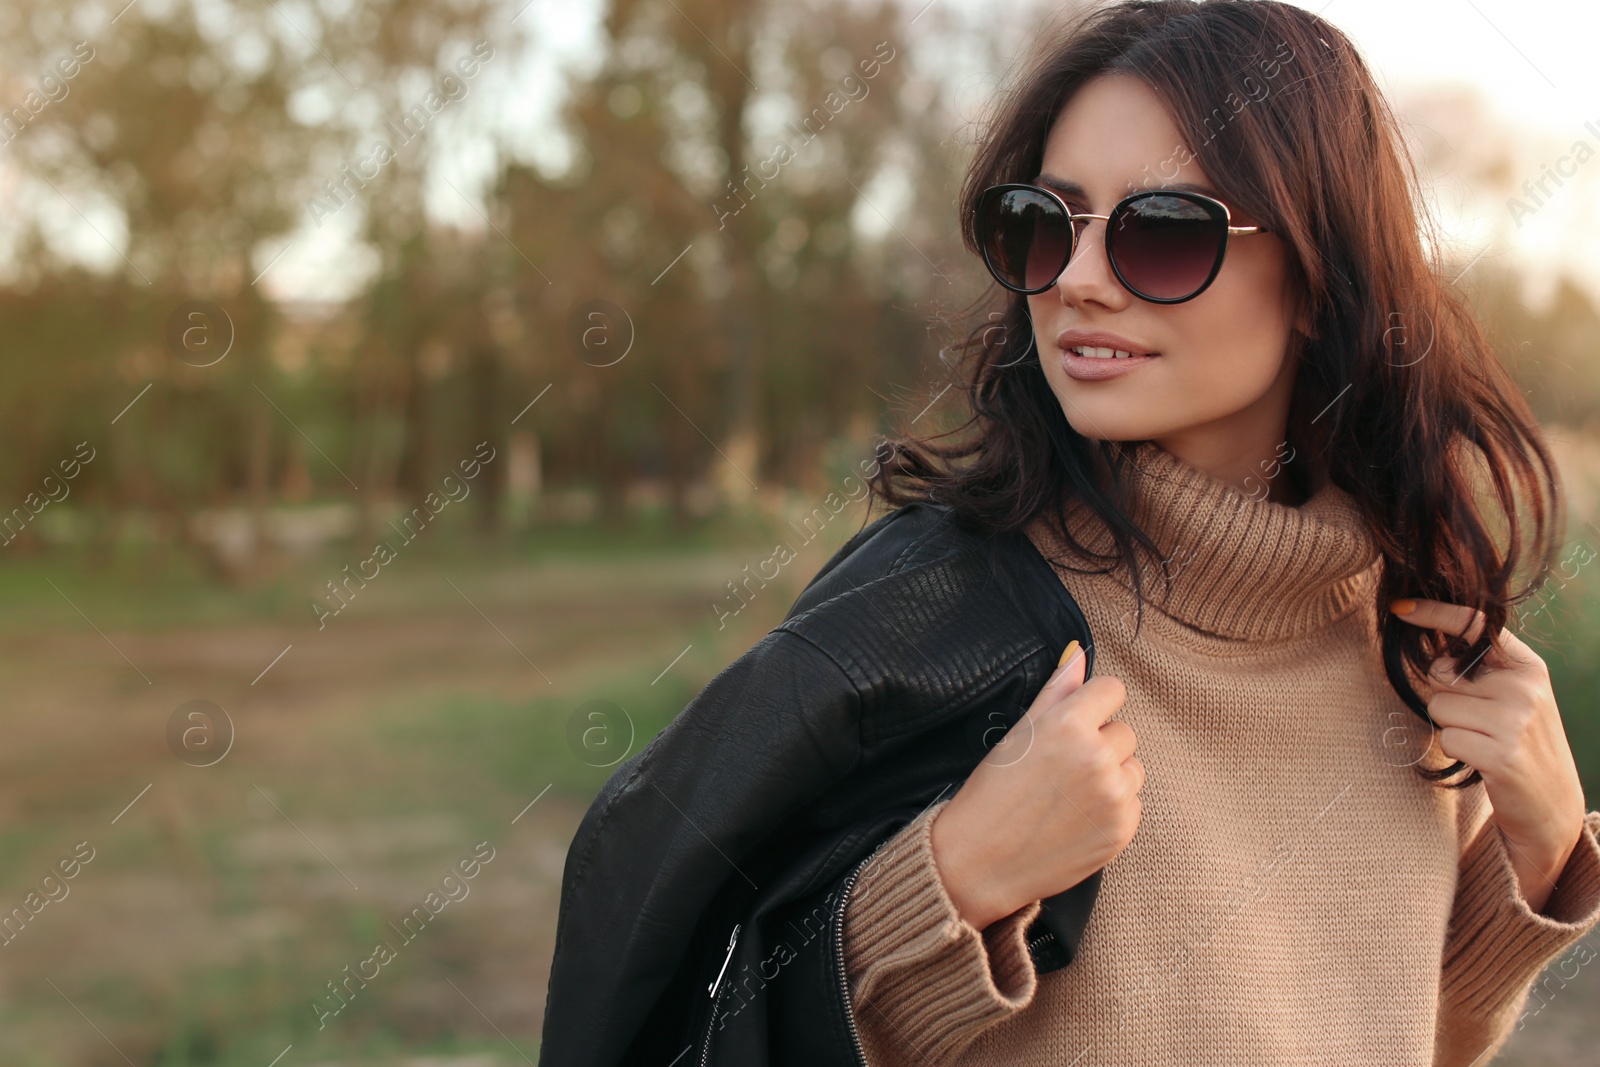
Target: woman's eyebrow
1060, 186
1074, 189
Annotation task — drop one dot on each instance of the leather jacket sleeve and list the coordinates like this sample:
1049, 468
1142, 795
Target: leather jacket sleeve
698, 872
676, 824
660, 859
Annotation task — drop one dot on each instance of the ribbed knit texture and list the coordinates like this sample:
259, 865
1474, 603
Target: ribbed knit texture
1295, 893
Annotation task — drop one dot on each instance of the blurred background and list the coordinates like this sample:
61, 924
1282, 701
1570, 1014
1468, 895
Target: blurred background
282, 282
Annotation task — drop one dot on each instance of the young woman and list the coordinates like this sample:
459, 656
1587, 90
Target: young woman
1225, 357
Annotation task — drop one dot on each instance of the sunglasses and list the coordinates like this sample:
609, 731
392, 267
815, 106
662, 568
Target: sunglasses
1165, 245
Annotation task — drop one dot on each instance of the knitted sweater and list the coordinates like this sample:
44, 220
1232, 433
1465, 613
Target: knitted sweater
1295, 893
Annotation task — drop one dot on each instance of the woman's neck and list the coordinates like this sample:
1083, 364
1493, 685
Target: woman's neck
1275, 471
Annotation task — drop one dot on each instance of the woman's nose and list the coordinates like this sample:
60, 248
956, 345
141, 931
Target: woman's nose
1088, 274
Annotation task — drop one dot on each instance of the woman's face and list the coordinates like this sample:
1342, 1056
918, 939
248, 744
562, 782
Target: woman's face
1216, 395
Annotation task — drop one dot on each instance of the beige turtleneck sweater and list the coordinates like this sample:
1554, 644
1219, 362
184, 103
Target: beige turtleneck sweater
1295, 893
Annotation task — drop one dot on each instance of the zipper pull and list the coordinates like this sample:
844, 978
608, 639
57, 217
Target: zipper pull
732, 938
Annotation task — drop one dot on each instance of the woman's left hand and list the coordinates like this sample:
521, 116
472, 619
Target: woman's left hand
1505, 725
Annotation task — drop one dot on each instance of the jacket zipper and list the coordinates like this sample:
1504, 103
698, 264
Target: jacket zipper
844, 980
838, 952
716, 995
733, 939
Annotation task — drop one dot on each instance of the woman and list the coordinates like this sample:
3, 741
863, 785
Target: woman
1239, 368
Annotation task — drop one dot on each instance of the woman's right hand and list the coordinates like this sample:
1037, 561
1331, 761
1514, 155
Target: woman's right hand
1056, 800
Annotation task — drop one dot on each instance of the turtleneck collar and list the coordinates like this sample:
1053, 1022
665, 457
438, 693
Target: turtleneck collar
1242, 568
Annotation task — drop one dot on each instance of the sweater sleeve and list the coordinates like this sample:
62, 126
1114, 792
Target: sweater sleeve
1497, 946
923, 981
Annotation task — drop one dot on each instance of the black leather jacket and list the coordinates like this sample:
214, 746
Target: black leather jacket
719, 857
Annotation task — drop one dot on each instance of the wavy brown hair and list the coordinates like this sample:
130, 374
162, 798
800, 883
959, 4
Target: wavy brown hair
1318, 160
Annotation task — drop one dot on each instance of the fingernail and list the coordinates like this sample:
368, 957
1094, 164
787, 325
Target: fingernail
1403, 606
1068, 654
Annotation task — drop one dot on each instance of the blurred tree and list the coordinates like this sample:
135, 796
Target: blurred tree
722, 157
394, 69
177, 129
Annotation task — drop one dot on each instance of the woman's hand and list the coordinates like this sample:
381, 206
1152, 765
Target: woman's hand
1054, 801
1506, 726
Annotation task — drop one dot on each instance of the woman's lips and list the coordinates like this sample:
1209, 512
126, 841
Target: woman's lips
1092, 369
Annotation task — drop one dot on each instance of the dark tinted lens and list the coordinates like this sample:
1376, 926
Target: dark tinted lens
1025, 236
1166, 246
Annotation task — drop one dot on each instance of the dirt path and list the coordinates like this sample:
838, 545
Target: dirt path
221, 900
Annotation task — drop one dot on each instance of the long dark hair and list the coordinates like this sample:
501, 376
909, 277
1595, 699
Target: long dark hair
1318, 160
